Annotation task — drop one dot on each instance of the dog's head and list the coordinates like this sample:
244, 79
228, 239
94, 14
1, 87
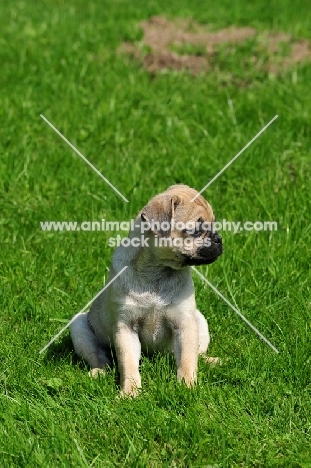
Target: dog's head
182, 228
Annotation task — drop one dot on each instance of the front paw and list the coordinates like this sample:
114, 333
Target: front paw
130, 388
189, 378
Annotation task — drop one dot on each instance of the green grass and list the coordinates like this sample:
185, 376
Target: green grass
145, 133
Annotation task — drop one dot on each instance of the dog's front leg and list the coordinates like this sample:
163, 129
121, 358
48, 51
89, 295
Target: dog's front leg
186, 350
128, 348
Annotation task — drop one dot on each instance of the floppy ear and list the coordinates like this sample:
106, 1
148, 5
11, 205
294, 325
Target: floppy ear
159, 213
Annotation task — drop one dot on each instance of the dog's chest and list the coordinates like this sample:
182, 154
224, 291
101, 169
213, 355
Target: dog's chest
148, 316
153, 330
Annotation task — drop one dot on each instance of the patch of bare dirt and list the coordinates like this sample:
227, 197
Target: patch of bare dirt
160, 33
300, 52
164, 59
166, 44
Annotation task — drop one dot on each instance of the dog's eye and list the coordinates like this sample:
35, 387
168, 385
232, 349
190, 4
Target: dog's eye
196, 233
197, 230
192, 233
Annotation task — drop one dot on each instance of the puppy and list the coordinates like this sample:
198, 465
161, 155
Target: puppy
151, 305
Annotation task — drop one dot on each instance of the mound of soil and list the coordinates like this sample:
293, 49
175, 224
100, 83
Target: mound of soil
187, 45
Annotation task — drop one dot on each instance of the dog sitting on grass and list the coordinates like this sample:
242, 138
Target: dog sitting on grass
151, 305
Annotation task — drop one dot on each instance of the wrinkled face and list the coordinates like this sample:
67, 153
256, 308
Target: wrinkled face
197, 243
183, 228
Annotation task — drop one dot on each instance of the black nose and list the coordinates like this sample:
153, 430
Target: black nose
216, 238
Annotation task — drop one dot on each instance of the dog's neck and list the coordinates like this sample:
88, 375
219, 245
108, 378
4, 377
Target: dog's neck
152, 261
147, 263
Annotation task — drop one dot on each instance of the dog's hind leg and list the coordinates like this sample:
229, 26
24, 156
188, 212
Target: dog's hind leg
204, 337
87, 345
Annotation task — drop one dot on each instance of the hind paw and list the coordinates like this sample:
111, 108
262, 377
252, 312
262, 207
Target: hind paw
94, 373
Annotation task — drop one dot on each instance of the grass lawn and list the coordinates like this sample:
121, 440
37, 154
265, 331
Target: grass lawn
145, 132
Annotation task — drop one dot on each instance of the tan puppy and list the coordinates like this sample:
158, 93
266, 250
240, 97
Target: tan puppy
151, 305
